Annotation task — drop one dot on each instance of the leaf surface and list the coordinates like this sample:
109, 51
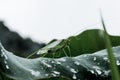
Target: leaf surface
86, 66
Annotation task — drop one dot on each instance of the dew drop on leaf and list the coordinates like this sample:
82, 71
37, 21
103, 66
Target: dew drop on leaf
94, 58
73, 70
74, 76
56, 72
77, 63
7, 66
118, 62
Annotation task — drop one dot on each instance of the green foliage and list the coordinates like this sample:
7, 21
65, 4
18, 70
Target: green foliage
89, 41
113, 66
71, 57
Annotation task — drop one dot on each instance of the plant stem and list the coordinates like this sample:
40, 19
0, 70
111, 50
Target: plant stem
113, 66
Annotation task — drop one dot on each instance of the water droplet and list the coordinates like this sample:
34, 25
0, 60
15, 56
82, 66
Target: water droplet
73, 70
97, 69
118, 62
56, 72
74, 76
4, 54
105, 58
94, 58
7, 66
92, 71
77, 63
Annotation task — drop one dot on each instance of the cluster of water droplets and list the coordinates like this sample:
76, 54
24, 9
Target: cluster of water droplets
4, 56
92, 63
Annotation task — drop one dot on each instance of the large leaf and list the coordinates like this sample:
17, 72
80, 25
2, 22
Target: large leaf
88, 41
84, 67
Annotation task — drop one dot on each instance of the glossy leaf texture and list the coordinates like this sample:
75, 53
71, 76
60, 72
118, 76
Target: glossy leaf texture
74, 58
87, 66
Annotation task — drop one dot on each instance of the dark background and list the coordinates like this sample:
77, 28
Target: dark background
13, 42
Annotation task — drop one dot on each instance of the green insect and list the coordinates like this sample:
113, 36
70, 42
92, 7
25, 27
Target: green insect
55, 49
